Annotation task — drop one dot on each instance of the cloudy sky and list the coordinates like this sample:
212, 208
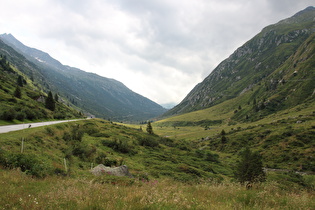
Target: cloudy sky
158, 48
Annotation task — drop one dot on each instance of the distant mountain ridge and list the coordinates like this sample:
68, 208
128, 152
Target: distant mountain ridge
97, 95
268, 60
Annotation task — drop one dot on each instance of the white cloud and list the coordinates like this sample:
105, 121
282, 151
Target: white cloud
160, 49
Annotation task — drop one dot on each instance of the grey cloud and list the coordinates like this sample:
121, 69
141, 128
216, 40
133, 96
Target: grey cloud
174, 44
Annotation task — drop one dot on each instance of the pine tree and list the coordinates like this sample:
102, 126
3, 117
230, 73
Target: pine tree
223, 138
56, 97
50, 102
149, 128
18, 92
20, 81
249, 169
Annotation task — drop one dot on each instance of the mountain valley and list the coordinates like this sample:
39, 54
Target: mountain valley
99, 96
255, 108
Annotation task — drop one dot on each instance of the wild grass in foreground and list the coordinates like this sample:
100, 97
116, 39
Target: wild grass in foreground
20, 191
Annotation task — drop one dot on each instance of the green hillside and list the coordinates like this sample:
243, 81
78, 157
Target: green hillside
284, 139
21, 100
92, 142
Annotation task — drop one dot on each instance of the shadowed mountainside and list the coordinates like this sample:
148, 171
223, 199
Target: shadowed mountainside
98, 95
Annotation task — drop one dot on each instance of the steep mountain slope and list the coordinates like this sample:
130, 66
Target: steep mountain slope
98, 95
21, 100
25, 66
270, 58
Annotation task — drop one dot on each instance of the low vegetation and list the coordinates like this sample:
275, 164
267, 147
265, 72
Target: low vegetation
23, 192
86, 143
52, 171
284, 139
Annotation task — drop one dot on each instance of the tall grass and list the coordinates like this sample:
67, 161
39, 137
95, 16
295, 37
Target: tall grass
19, 191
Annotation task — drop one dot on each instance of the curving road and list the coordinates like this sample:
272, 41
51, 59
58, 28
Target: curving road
8, 128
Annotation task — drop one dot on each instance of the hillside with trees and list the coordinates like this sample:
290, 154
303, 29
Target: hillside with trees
22, 100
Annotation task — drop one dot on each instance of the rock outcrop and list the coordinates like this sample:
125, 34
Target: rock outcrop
116, 171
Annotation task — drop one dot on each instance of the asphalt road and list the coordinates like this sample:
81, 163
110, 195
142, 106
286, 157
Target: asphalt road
8, 128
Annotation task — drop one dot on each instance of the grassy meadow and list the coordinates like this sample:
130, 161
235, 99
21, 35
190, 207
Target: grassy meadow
20, 191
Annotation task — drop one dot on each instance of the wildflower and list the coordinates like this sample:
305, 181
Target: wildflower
154, 182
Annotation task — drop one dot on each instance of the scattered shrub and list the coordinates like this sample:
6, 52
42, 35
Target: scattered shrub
29, 164
212, 157
20, 116
8, 115
68, 153
60, 172
296, 144
287, 180
167, 141
184, 146
199, 153
60, 126
306, 137
59, 116
100, 134
119, 146
13, 100
90, 128
148, 141
91, 131
30, 114
100, 158
189, 169
110, 162
83, 151
77, 133
66, 136
50, 131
